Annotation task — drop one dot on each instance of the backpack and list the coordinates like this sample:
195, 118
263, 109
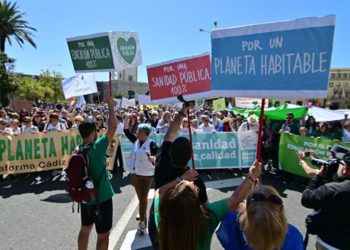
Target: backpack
79, 184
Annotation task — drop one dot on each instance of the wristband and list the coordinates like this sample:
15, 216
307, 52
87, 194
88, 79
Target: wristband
182, 113
250, 178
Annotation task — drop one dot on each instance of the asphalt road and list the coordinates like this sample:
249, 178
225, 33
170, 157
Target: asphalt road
36, 213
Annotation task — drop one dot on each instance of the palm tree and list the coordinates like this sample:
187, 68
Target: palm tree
13, 25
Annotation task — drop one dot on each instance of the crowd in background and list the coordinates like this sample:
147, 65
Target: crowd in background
46, 118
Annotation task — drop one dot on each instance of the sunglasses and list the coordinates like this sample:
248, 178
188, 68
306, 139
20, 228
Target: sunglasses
26, 121
289, 118
259, 197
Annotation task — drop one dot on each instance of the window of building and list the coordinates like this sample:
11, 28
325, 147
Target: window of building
333, 75
331, 84
120, 75
130, 78
345, 75
338, 75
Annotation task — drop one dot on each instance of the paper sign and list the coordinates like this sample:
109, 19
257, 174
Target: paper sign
275, 60
187, 77
105, 51
79, 85
127, 103
249, 103
219, 104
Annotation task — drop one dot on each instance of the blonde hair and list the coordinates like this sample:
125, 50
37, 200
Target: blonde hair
264, 222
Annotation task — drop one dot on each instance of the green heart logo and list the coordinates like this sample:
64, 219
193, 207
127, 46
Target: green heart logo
127, 49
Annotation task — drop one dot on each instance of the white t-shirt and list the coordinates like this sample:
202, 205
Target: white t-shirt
205, 129
50, 127
120, 129
245, 127
31, 129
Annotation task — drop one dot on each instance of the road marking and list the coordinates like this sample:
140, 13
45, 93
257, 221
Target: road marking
129, 211
122, 223
135, 241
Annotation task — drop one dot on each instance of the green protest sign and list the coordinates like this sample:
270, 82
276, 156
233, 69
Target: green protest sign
214, 151
290, 144
105, 51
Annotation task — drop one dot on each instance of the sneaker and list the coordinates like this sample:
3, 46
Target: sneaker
141, 228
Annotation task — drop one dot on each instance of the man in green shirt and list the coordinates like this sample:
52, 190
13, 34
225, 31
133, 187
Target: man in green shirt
99, 212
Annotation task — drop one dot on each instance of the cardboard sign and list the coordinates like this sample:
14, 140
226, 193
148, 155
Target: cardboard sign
105, 51
276, 60
187, 77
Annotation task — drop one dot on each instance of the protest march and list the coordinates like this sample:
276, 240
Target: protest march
164, 157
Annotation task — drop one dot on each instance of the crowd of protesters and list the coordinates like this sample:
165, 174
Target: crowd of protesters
46, 118
180, 200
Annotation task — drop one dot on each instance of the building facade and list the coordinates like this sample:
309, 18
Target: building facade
339, 88
128, 89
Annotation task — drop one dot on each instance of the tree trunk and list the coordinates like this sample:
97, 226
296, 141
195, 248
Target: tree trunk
2, 44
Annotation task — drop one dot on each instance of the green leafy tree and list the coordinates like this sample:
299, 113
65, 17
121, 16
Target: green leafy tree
51, 83
30, 89
12, 25
7, 84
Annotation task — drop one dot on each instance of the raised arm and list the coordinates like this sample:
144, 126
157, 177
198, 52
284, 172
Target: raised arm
175, 125
242, 191
112, 120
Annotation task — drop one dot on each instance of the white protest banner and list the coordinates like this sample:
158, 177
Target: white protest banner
78, 85
127, 103
249, 103
186, 77
144, 99
274, 60
106, 51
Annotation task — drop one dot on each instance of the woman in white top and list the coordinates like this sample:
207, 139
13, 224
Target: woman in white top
184, 126
54, 124
15, 127
164, 123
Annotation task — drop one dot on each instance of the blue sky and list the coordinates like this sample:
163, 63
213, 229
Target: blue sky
167, 29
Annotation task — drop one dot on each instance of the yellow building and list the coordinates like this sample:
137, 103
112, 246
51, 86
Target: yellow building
339, 88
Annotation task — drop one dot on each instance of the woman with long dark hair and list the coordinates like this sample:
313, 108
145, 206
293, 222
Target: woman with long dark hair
311, 126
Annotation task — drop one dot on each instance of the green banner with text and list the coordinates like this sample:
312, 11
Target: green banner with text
213, 151
291, 144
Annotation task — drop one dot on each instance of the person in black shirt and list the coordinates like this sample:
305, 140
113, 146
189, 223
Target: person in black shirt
332, 203
171, 162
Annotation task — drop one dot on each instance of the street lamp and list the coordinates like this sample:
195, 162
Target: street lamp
207, 31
